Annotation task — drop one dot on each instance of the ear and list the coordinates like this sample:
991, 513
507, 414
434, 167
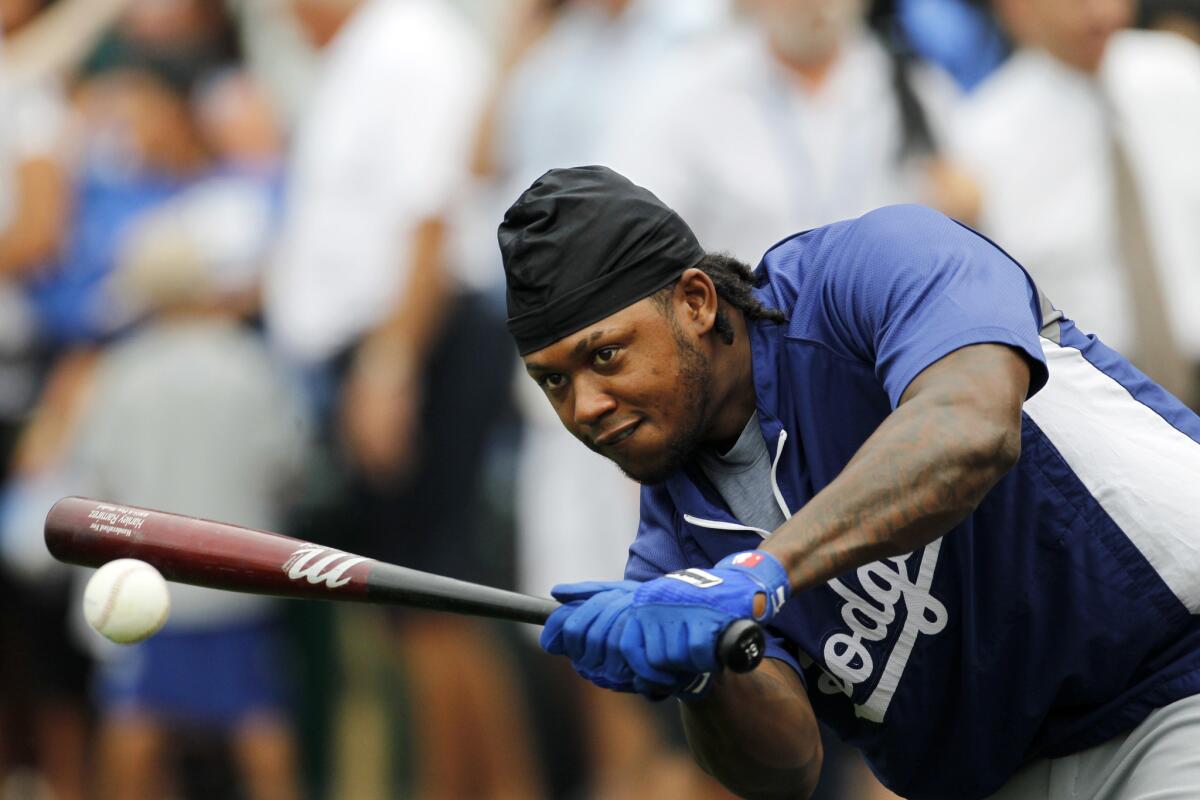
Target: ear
696, 301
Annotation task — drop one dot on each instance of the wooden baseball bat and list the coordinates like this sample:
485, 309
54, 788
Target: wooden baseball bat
223, 556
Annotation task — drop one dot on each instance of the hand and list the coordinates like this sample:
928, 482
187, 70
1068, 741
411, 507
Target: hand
585, 629
659, 638
381, 400
674, 622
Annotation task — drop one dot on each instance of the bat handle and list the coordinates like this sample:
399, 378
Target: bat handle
742, 646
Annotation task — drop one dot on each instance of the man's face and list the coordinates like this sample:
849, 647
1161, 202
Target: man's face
806, 30
632, 387
1073, 31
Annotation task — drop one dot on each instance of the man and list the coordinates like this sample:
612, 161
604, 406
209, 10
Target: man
555, 105
976, 548
44, 675
568, 71
361, 294
830, 120
1110, 119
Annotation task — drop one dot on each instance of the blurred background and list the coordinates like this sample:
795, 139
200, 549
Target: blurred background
248, 271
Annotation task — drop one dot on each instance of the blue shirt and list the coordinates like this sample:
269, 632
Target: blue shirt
1060, 612
70, 299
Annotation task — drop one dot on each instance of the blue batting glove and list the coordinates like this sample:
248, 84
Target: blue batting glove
674, 622
587, 627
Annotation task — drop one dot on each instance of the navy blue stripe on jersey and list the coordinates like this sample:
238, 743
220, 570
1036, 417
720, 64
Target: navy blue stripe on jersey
1140, 387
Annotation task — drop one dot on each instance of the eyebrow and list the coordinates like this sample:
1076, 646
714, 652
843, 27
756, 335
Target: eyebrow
583, 344
580, 347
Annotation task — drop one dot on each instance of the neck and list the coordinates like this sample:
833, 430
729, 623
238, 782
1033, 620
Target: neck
733, 384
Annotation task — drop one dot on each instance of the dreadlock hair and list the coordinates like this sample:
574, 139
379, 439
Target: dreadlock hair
735, 283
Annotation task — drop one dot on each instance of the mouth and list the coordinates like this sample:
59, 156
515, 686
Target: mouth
618, 435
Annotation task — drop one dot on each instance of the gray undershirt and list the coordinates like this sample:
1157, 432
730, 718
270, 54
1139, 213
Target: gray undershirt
742, 477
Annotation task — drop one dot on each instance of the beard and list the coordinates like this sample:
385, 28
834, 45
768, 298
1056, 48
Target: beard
693, 379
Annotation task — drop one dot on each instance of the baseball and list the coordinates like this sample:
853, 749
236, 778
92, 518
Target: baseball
126, 601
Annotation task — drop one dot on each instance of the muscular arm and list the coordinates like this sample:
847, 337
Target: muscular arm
756, 733
955, 432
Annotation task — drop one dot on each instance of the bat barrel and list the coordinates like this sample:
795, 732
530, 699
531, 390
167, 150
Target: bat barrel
202, 552
223, 556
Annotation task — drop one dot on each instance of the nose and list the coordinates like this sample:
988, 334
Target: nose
592, 401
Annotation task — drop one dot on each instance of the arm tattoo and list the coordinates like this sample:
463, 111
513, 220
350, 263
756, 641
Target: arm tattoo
954, 434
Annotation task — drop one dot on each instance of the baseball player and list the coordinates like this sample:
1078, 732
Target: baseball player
968, 526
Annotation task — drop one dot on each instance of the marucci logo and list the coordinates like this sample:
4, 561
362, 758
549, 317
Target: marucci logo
317, 564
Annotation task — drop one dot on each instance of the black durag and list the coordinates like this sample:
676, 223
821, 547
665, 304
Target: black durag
581, 244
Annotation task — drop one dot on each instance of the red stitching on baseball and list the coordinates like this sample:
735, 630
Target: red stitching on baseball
111, 600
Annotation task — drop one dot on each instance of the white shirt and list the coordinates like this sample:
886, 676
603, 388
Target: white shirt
384, 145
557, 107
747, 157
579, 79
1037, 137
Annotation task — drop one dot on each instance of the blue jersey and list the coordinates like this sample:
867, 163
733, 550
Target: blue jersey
1059, 613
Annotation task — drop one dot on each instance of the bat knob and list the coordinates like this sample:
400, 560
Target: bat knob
742, 646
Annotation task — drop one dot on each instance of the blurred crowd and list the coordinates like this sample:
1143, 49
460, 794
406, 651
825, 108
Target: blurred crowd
248, 272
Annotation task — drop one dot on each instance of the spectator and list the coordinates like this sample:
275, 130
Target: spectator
359, 293
800, 117
569, 69
34, 213
42, 677
139, 147
242, 193
1084, 143
807, 113
189, 413
137, 144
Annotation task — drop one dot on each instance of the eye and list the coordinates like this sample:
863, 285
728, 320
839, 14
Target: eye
604, 355
552, 381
